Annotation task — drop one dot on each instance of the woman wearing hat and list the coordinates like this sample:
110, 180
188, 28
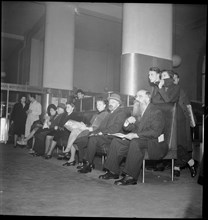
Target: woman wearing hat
40, 124
59, 132
41, 144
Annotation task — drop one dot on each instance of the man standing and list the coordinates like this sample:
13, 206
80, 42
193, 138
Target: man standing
100, 138
33, 113
146, 128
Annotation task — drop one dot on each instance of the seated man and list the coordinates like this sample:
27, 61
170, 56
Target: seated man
147, 133
113, 123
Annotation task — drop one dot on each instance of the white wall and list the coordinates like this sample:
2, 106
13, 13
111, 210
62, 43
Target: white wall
36, 60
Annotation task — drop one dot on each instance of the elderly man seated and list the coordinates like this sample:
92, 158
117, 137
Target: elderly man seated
146, 128
100, 138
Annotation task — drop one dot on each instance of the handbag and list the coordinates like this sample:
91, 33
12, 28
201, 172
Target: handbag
71, 124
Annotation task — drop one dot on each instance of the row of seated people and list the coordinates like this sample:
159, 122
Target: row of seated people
121, 132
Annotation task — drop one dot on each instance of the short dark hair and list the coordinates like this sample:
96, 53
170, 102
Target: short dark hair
170, 72
155, 69
22, 95
105, 101
49, 107
32, 95
81, 91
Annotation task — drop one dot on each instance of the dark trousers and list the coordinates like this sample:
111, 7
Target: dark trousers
97, 143
134, 152
183, 156
81, 143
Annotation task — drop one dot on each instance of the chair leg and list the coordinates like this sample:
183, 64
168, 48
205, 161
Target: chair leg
143, 167
102, 159
172, 171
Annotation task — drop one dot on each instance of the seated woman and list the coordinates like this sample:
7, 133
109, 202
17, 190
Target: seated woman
39, 125
84, 130
60, 132
40, 144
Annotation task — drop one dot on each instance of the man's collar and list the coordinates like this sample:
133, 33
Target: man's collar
115, 109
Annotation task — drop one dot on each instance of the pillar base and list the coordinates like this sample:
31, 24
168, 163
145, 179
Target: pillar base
135, 69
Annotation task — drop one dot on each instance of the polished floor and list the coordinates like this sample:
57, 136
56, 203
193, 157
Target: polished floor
33, 186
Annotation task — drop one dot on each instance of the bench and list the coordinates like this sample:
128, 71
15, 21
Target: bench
170, 133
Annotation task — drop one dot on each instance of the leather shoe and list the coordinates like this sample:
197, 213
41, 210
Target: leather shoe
69, 163
35, 154
176, 173
64, 156
87, 168
48, 157
126, 180
108, 175
80, 166
193, 170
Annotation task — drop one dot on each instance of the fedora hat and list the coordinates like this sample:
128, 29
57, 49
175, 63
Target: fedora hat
115, 97
61, 105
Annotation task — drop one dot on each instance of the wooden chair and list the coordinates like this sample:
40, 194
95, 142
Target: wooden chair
169, 111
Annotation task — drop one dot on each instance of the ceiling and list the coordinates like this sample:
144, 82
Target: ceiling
19, 17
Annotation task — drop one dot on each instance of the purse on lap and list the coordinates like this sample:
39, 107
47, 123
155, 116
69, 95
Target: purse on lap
71, 124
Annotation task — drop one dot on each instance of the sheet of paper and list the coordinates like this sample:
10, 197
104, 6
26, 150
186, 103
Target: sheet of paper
161, 138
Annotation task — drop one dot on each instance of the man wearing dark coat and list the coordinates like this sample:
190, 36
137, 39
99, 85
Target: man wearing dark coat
146, 128
100, 138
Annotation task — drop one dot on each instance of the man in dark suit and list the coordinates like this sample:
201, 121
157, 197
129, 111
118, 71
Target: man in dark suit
146, 128
100, 138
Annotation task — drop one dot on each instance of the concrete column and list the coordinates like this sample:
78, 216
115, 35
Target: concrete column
59, 46
36, 59
147, 42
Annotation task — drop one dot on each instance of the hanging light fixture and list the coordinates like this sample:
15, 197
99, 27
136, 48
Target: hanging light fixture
176, 59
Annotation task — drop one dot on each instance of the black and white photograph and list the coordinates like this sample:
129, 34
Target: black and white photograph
103, 109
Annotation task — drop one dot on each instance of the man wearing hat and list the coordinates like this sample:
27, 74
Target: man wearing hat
100, 138
146, 126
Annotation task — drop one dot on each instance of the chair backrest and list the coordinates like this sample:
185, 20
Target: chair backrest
169, 112
170, 133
